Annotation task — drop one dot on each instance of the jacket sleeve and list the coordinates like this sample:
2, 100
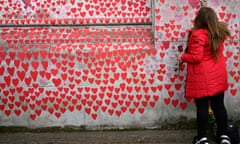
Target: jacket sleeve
195, 48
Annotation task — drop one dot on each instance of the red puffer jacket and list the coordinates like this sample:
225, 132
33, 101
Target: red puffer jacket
206, 76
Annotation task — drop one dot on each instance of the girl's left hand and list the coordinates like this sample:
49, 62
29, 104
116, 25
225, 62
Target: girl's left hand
203, 3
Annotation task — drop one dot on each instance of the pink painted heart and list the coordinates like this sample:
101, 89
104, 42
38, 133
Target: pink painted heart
194, 3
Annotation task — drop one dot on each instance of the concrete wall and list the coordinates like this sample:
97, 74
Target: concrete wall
102, 64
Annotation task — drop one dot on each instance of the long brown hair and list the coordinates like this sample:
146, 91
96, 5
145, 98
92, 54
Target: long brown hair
218, 31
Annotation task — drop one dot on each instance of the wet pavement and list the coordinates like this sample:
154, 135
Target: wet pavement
102, 137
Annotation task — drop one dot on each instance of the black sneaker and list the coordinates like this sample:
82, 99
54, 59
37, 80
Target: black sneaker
202, 140
224, 139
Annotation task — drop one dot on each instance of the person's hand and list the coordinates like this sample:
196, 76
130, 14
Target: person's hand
203, 3
179, 57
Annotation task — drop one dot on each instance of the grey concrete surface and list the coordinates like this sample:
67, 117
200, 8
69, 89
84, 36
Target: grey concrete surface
102, 137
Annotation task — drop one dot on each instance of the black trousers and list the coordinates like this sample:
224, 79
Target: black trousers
217, 105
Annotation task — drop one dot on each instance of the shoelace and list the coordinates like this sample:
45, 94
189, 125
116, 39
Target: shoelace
225, 139
202, 140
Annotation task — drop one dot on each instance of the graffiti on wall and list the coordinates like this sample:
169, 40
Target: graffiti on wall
59, 70
101, 70
74, 11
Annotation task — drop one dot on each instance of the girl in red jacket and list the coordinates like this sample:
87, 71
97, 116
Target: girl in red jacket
206, 72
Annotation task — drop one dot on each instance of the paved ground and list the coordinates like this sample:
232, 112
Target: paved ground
102, 137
